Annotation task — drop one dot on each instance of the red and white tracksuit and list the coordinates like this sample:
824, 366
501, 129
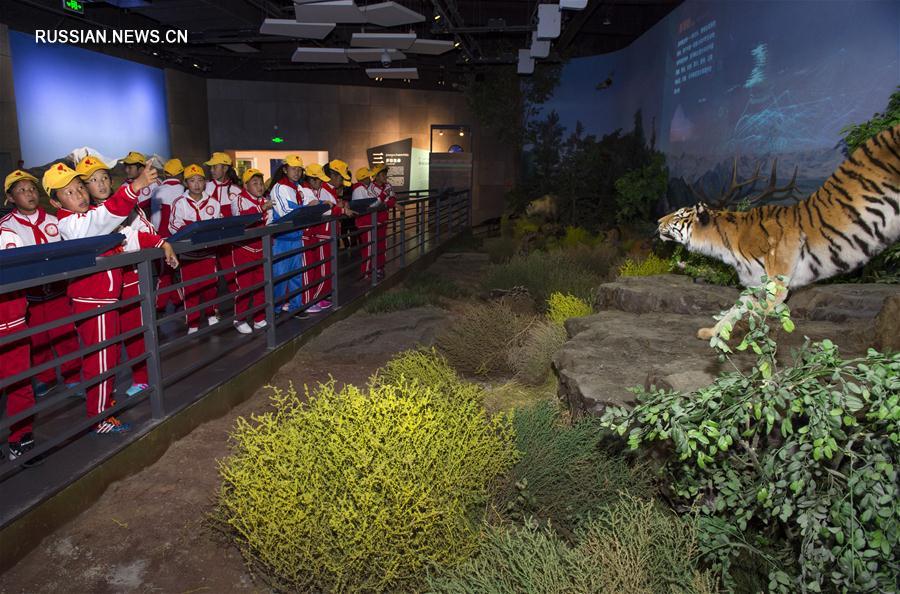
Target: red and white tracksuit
322, 254
47, 303
97, 290
146, 195
247, 252
15, 357
160, 212
386, 198
226, 194
139, 234
186, 210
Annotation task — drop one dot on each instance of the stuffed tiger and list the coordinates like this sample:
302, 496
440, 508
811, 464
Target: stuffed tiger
841, 226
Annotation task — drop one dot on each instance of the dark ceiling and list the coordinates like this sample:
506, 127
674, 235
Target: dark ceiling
489, 32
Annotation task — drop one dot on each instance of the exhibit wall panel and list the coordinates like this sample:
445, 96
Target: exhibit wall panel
10, 151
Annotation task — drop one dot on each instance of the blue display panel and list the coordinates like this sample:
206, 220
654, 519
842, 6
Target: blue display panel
68, 97
715, 80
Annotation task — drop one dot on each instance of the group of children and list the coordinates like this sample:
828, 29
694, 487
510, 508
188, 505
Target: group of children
147, 210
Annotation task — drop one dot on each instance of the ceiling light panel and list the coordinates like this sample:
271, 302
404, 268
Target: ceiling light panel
391, 14
393, 73
334, 11
320, 55
431, 47
291, 28
399, 41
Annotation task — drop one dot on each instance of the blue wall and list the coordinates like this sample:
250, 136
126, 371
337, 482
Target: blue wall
68, 97
781, 79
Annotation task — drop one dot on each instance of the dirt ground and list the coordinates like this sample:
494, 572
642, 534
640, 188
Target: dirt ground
148, 533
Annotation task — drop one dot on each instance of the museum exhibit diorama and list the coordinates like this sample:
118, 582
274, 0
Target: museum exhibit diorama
450, 296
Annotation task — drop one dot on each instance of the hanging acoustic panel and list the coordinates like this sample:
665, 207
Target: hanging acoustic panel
291, 28
394, 73
390, 14
333, 11
320, 55
572, 4
430, 47
526, 62
399, 41
540, 48
549, 21
374, 54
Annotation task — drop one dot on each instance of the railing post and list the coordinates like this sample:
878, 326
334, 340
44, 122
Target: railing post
334, 261
437, 221
269, 289
373, 248
151, 337
420, 226
403, 236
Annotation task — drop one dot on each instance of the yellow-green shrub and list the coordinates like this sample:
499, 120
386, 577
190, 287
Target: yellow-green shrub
650, 265
478, 341
576, 237
562, 307
428, 368
361, 490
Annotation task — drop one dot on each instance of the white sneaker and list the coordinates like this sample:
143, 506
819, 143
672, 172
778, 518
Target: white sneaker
213, 320
260, 324
192, 330
286, 307
313, 309
243, 328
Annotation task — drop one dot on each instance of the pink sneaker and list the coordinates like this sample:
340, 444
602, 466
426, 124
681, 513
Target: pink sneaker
324, 304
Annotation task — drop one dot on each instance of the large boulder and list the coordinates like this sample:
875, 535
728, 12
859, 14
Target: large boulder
645, 335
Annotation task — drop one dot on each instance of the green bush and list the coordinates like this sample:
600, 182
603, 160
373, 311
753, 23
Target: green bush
856, 135
635, 548
576, 237
397, 300
361, 490
544, 273
600, 259
800, 458
564, 475
513, 395
562, 307
500, 249
649, 266
531, 360
436, 286
479, 339
640, 189
703, 268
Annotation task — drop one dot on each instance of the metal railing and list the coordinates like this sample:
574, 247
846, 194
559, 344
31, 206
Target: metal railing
182, 367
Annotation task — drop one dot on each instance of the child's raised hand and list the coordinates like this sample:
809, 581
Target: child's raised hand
147, 177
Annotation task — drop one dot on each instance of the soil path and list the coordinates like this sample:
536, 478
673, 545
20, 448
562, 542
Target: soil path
147, 533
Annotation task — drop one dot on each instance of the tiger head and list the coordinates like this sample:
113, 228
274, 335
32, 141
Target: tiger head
679, 225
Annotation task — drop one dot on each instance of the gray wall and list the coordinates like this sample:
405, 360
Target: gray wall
10, 151
186, 105
346, 120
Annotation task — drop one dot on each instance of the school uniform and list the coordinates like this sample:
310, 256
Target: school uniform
319, 258
139, 234
145, 196
286, 197
226, 193
185, 211
47, 303
15, 357
160, 211
247, 252
386, 197
98, 290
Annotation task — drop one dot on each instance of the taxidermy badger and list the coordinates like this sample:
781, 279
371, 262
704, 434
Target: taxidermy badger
841, 226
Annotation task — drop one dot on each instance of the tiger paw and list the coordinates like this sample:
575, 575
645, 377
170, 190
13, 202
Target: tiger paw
706, 333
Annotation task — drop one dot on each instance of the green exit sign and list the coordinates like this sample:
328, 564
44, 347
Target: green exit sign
278, 140
74, 6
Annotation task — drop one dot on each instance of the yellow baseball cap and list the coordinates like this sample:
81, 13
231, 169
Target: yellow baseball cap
293, 161
17, 176
342, 168
173, 167
192, 170
58, 176
219, 159
377, 169
90, 164
315, 170
248, 175
363, 173
135, 158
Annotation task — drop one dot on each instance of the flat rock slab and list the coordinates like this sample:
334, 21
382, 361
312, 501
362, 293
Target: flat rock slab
671, 293
841, 303
365, 333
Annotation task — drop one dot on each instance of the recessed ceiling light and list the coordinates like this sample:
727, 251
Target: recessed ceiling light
461, 133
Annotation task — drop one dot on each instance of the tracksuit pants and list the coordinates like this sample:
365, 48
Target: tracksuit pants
247, 278
130, 317
320, 259
56, 342
199, 292
93, 331
15, 358
285, 243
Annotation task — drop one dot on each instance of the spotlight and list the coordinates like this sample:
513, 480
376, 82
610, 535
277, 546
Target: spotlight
456, 44
196, 66
440, 133
155, 53
437, 17
461, 133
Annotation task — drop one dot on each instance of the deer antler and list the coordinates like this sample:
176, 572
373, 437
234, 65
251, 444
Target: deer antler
772, 192
733, 191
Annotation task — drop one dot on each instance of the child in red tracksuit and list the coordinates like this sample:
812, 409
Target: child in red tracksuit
79, 219
160, 210
224, 186
139, 233
192, 206
382, 191
46, 303
15, 357
319, 190
251, 200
